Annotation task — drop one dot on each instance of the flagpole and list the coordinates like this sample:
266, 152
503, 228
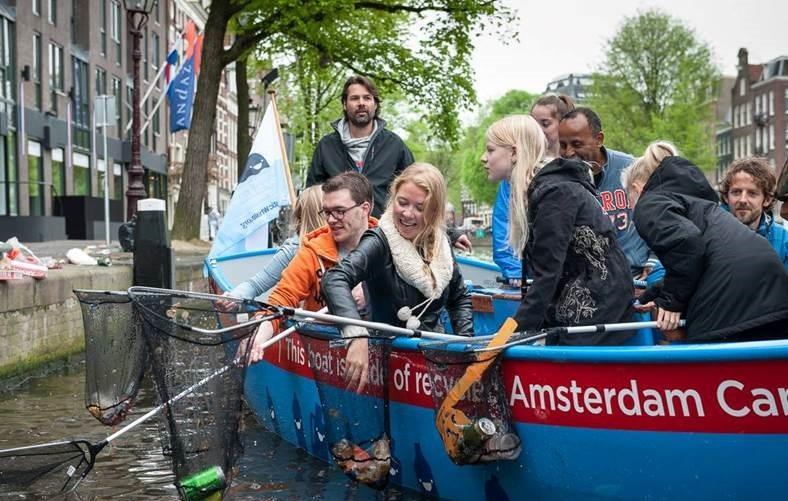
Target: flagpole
159, 74
290, 188
155, 108
181, 62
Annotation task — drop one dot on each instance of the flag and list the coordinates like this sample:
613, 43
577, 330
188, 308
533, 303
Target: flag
181, 96
172, 62
198, 54
262, 190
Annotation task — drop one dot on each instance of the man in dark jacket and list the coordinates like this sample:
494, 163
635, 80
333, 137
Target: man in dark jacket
726, 279
361, 143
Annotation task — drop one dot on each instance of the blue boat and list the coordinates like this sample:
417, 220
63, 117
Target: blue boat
644, 421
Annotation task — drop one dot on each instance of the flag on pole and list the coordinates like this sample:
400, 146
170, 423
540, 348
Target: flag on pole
172, 62
181, 96
262, 190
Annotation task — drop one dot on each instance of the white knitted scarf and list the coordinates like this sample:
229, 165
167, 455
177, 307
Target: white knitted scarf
430, 279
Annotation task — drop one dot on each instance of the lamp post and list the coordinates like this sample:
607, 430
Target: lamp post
137, 12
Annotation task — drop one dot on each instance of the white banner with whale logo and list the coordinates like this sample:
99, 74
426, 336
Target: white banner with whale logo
262, 190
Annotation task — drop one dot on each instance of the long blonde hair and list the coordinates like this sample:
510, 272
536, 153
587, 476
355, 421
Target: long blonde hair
643, 167
523, 133
428, 178
306, 211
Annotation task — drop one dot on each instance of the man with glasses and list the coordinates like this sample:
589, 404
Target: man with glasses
347, 204
361, 143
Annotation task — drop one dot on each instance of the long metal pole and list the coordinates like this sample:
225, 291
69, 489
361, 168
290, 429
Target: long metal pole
106, 177
136, 190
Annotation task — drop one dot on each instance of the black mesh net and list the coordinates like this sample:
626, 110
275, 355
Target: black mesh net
472, 415
44, 470
357, 425
115, 354
202, 431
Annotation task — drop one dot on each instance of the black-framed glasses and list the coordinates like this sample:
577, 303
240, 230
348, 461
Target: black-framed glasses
338, 214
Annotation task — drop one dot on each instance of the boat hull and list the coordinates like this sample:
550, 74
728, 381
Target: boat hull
634, 422
689, 420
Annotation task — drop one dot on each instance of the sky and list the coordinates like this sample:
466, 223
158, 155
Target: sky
557, 38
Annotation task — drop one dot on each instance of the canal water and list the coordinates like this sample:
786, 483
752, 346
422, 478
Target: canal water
51, 408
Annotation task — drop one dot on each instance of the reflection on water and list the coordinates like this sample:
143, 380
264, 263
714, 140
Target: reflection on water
132, 467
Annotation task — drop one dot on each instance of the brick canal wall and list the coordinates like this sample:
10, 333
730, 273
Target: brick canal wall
41, 321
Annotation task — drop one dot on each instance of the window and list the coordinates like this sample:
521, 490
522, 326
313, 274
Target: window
36, 7
771, 137
155, 57
55, 75
748, 114
118, 105
35, 179
771, 103
101, 167
58, 173
81, 101
81, 174
145, 57
103, 28
157, 11
742, 87
9, 187
129, 111
115, 29
117, 182
156, 125
52, 12
101, 82
37, 70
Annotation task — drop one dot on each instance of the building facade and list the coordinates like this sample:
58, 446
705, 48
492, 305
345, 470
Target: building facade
56, 57
223, 158
759, 111
574, 85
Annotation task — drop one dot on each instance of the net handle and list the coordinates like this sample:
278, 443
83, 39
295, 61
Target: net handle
137, 290
583, 329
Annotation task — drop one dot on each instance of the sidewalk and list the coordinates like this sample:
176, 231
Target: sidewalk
41, 320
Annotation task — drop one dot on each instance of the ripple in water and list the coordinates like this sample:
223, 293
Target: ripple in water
132, 467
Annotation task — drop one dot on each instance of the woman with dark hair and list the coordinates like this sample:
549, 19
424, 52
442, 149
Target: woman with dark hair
725, 279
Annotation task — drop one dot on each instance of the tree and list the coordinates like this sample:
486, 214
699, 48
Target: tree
657, 82
420, 46
468, 157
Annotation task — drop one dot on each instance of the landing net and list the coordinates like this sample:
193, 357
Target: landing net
471, 411
357, 426
115, 354
201, 431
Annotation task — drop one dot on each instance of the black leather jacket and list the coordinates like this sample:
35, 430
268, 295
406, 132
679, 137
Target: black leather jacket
371, 262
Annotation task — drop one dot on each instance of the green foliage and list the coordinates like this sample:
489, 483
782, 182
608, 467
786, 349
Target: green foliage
430, 149
421, 48
472, 146
657, 82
